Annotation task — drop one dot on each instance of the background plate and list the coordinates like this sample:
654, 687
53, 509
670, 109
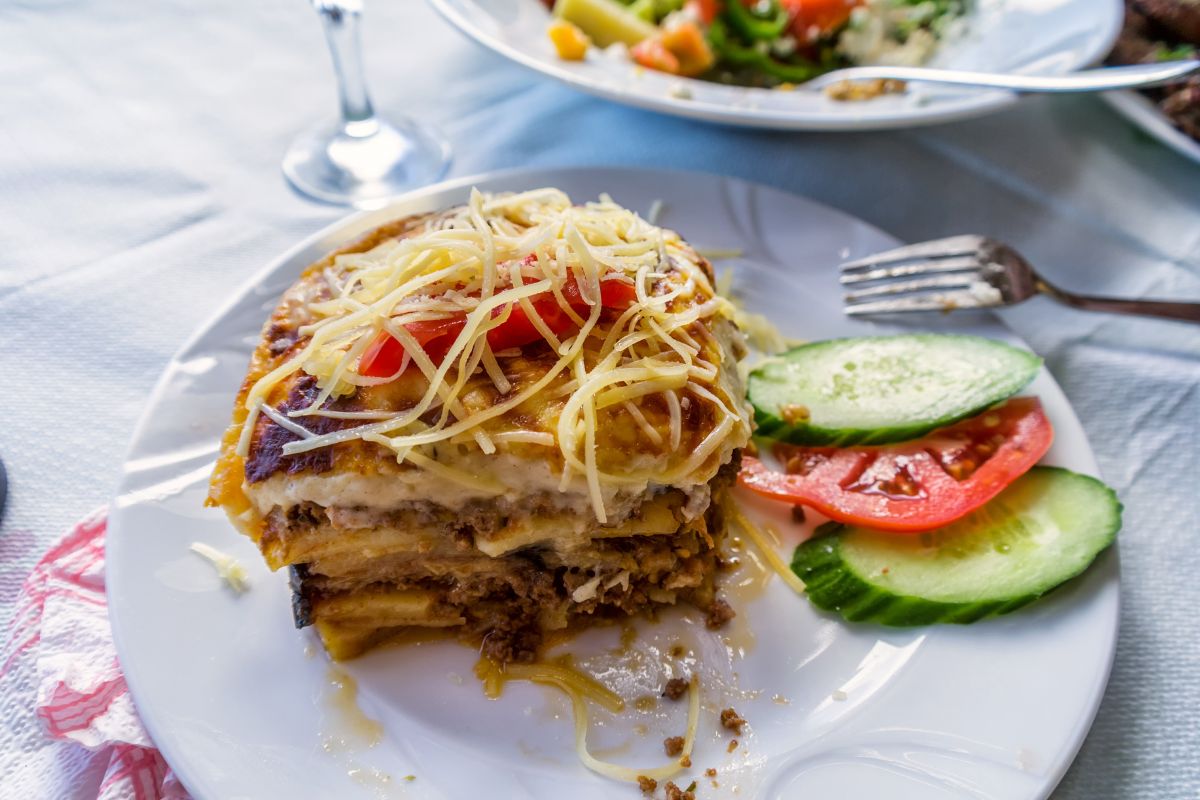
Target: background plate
242, 706
1143, 112
1031, 36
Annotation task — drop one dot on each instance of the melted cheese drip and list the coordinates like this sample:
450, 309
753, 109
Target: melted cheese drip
481, 261
580, 688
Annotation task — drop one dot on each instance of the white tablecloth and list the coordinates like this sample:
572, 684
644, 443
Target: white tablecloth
139, 181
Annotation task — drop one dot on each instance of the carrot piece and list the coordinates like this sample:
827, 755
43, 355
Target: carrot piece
686, 42
653, 54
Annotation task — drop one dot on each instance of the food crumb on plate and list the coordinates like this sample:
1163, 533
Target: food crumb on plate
855, 91
839, 695
673, 792
719, 613
227, 567
794, 412
731, 720
679, 91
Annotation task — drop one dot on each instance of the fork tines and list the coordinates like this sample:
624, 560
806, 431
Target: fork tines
940, 248
944, 274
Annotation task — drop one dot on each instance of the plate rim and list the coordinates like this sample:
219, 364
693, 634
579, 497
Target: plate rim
185, 769
1140, 111
966, 106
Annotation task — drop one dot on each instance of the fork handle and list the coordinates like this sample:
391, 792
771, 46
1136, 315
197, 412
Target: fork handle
1185, 312
1102, 79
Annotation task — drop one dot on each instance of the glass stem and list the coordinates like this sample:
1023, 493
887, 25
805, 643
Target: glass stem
340, 20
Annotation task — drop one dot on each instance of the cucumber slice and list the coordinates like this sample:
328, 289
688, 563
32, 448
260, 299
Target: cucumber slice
1044, 529
879, 389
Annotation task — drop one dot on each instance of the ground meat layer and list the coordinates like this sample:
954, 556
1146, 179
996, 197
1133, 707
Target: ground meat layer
507, 604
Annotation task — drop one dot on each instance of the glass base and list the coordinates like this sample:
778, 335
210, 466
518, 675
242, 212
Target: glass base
365, 163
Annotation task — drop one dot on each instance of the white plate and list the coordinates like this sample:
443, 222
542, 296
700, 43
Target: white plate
1143, 112
240, 702
1029, 36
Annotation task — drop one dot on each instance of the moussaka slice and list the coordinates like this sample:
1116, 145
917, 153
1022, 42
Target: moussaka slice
511, 417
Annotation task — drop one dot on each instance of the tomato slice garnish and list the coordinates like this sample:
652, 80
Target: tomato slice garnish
912, 486
617, 295
385, 354
519, 330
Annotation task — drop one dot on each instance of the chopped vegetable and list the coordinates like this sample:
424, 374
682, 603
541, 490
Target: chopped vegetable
645, 10
764, 20
703, 10
653, 11
729, 51
605, 21
569, 42
914, 486
686, 42
813, 19
653, 54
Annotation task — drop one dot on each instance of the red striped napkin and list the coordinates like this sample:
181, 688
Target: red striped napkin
59, 651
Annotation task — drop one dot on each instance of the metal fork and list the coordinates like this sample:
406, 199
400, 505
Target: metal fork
1103, 79
970, 272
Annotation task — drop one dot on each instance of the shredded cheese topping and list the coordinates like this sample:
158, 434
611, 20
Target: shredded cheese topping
580, 688
228, 568
630, 774
767, 548
760, 331
479, 263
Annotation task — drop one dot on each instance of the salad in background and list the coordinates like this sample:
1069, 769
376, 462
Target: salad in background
1164, 30
762, 43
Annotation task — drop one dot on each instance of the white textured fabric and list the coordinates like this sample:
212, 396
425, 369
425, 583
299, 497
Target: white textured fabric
139, 182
